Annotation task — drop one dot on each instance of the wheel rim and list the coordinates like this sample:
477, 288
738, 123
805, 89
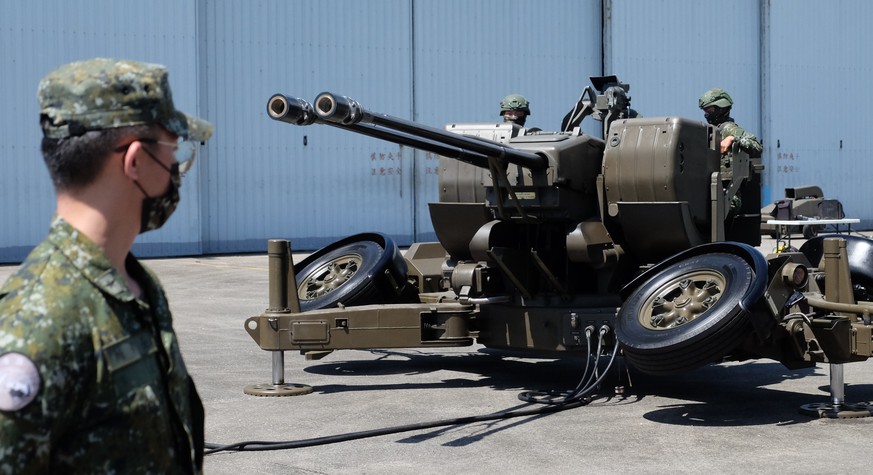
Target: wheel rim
682, 300
329, 276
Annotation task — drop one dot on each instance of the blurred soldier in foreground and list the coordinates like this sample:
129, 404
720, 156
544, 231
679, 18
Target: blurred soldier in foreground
716, 105
91, 377
515, 108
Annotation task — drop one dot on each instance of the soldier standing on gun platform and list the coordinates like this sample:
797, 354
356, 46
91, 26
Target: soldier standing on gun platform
91, 376
716, 104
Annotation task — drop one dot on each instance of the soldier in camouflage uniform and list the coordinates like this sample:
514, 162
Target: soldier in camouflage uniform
716, 104
515, 108
91, 377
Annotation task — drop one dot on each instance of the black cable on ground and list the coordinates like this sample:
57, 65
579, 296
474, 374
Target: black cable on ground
585, 386
332, 439
553, 402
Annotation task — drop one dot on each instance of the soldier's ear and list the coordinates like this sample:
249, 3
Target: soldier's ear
130, 160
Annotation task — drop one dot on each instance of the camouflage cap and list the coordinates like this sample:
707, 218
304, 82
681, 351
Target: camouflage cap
103, 93
715, 97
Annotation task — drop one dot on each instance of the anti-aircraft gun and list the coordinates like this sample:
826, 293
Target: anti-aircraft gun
643, 236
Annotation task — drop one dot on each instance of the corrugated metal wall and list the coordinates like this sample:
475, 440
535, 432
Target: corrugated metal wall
672, 51
818, 100
793, 68
37, 36
267, 179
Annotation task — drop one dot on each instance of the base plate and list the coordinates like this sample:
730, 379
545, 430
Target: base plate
277, 390
840, 411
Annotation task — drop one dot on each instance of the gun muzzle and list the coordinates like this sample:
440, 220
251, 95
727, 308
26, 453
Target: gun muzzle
338, 109
292, 110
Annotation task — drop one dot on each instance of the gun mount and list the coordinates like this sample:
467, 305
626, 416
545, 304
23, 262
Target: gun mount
544, 238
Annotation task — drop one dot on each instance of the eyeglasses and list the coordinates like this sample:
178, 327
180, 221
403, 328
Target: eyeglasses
183, 152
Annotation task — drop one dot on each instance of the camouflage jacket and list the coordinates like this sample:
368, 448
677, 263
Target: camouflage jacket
114, 394
746, 141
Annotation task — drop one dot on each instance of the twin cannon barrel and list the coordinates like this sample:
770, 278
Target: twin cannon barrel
346, 113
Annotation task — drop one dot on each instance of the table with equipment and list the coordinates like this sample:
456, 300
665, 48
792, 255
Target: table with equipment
783, 227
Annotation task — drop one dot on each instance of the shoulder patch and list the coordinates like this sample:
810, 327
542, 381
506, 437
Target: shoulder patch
19, 381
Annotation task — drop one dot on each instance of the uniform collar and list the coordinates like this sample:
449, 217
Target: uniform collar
89, 259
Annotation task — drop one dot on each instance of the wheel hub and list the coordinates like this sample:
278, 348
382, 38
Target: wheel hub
329, 277
682, 300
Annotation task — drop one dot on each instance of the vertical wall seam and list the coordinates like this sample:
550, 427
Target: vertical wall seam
606, 37
413, 113
764, 111
201, 73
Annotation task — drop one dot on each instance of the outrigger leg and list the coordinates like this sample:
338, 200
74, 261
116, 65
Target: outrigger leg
283, 299
838, 290
837, 408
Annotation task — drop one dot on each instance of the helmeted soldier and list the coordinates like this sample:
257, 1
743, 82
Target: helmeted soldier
515, 108
716, 104
91, 376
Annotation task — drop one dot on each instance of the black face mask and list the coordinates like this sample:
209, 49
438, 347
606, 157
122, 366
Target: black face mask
156, 211
520, 120
718, 116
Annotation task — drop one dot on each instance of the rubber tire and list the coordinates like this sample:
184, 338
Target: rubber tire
703, 340
368, 283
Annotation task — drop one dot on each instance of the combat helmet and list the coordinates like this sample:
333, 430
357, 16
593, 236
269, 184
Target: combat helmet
514, 102
715, 97
518, 105
719, 103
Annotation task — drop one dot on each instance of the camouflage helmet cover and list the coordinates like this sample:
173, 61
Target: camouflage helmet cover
715, 97
514, 102
103, 93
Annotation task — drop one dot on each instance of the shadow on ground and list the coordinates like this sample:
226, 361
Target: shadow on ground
736, 394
